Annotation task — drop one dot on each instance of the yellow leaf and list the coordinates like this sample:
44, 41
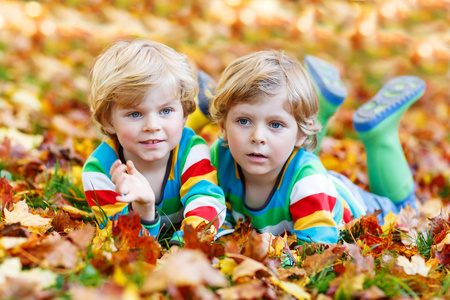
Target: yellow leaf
294, 289
20, 214
227, 266
389, 222
119, 277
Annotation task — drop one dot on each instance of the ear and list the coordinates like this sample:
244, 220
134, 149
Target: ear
223, 130
301, 137
109, 128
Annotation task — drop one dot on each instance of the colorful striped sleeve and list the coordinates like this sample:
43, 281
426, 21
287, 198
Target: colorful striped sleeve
200, 194
314, 205
100, 190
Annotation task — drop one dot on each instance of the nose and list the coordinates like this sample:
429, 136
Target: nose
258, 136
151, 124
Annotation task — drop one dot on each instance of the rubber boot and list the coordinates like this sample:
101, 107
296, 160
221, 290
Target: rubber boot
376, 123
330, 89
201, 117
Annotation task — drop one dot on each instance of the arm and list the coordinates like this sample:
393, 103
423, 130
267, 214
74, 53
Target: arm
314, 205
132, 187
200, 194
101, 193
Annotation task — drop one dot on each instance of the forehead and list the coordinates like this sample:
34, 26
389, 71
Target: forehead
264, 103
161, 92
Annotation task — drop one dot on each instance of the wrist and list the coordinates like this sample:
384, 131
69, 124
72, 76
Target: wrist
145, 210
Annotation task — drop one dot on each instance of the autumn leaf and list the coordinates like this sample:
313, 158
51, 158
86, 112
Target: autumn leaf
251, 290
317, 262
186, 268
20, 214
414, 266
6, 192
33, 280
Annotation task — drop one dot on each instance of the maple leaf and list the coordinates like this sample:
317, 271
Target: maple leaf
20, 214
126, 233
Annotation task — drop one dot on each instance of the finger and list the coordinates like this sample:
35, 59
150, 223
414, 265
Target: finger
114, 166
126, 198
131, 169
122, 184
118, 173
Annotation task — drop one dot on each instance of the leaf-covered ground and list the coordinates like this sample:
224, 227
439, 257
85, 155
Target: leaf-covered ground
49, 245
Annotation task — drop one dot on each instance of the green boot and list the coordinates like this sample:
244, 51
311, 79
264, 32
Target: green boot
376, 123
329, 88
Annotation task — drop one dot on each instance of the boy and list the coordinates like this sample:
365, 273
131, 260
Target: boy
142, 93
266, 107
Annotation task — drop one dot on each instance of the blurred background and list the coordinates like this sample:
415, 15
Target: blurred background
47, 49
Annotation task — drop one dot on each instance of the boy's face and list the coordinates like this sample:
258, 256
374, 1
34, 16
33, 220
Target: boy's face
262, 135
150, 130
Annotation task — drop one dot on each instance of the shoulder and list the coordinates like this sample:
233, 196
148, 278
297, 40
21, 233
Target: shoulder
308, 176
304, 163
102, 157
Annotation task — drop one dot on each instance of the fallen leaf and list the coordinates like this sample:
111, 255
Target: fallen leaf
415, 266
186, 268
251, 290
6, 192
317, 262
20, 214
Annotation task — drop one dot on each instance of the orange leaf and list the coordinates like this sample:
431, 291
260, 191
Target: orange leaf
6, 192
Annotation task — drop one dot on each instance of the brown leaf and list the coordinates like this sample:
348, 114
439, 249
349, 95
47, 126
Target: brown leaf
252, 290
247, 269
185, 268
254, 247
317, 262
82, 237
62, 254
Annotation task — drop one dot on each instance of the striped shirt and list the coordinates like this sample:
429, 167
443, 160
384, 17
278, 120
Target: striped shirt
190, 191
305, 200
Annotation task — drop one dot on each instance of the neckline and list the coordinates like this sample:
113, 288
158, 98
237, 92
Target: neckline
272, 192
166, 175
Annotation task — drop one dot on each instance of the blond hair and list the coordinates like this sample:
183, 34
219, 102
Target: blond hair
269, 73
127, 70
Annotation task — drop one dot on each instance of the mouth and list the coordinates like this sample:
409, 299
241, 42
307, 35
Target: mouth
258, 155
151, 142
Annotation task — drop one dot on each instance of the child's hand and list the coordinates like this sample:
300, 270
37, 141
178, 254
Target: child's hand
133, 187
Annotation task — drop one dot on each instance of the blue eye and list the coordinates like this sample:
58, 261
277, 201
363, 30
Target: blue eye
243, 121
166, 111
135, 115
276, 125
